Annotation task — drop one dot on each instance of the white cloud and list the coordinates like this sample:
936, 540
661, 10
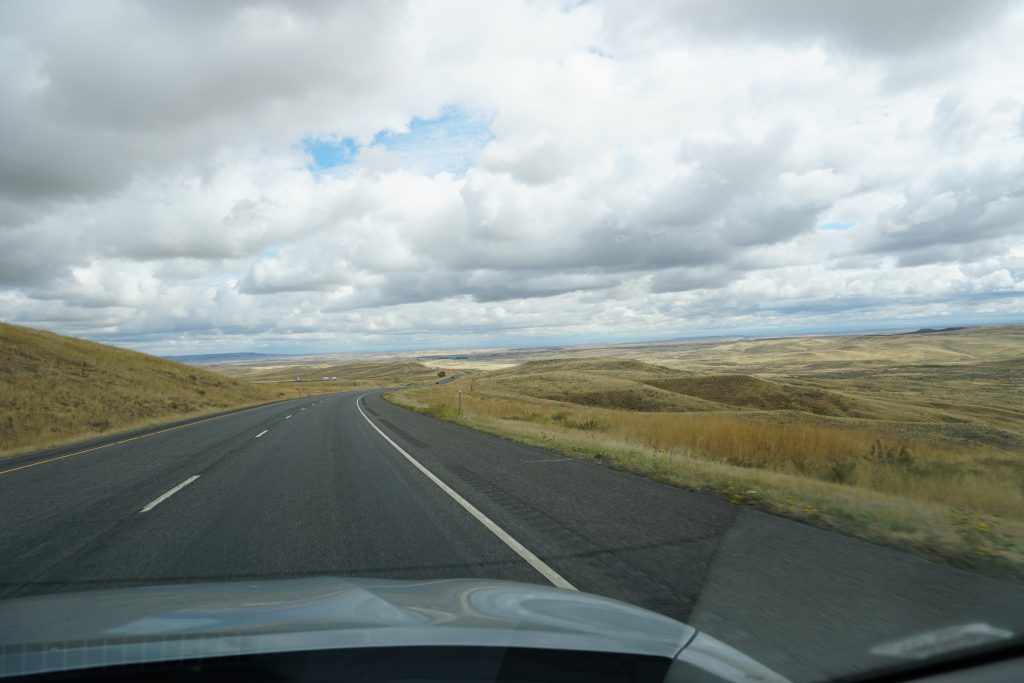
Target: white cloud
648, 172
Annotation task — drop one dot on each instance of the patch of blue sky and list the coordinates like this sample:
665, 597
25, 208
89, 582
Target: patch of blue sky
449, 142
837, 225
327, 154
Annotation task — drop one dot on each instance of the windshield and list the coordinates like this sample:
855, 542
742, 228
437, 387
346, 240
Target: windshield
714, 309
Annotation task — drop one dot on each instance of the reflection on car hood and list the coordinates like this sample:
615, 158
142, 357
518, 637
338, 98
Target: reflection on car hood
329, 612
131, 625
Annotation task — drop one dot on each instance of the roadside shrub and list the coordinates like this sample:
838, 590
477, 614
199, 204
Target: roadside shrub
586, 425
743, 461
527, 417
841, 471
441, 410
892, 457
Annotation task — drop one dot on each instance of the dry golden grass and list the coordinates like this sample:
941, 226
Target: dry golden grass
282, 390
56, 389
933, 457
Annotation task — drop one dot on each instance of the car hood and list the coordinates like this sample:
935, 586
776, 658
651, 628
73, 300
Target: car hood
156, 623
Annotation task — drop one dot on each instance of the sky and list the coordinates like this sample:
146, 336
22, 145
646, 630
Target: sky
193, 177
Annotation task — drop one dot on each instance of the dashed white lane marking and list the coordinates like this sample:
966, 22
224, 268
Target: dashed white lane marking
131, 438
289, 417
262, 433
521, 550
156, 501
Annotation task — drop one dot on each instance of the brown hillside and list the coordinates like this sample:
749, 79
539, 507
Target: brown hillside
56, 389
749, 392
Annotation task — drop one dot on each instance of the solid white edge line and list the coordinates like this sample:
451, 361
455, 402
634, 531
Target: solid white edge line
170, 493
262, 433
534, 561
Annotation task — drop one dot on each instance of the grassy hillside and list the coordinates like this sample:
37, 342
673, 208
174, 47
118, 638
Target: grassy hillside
750, 392
647, 387
56, 389
915, 439
602, 382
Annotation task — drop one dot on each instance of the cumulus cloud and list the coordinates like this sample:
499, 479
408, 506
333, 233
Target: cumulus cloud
327, 176
894, 27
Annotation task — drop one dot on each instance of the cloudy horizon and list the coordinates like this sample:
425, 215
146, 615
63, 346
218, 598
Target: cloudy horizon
194, 177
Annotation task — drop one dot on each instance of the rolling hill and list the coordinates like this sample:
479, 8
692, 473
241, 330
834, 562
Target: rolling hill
56, 389
635, 385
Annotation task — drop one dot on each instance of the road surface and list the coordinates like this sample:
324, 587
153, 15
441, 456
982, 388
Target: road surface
352, 486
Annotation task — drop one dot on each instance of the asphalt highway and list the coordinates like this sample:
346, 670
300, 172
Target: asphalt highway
350, 485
